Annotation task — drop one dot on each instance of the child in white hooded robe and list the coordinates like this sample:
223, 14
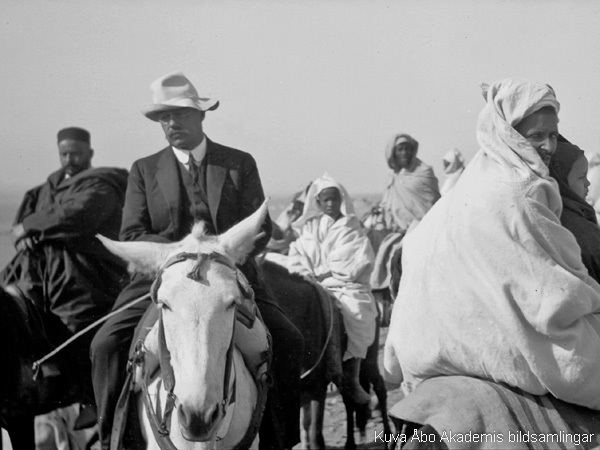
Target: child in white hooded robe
333, 249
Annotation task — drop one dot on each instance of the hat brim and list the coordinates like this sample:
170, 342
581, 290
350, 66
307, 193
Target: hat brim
201, 104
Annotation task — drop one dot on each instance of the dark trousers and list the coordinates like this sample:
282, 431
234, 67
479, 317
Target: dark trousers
280, 427
110, 349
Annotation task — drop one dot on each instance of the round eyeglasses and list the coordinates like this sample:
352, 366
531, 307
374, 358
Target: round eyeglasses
175, 115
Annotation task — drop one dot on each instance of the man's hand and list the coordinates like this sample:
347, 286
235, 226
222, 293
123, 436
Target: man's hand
26, 243
18, 231
323, 276
22, 241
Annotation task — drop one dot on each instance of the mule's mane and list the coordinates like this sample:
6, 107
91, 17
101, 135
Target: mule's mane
199, 230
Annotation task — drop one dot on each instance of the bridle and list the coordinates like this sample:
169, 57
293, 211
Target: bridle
160, 420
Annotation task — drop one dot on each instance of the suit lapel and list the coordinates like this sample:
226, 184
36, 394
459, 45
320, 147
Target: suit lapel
167, 178
215, 178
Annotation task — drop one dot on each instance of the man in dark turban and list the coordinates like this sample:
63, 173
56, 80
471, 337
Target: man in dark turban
60, 266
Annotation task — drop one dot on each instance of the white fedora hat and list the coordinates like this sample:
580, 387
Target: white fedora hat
174, 91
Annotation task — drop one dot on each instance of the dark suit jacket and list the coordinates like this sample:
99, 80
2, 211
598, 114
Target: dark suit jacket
153, 208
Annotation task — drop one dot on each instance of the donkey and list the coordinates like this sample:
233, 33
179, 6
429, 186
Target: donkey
24, 337
323, 332
312, 311
205, 395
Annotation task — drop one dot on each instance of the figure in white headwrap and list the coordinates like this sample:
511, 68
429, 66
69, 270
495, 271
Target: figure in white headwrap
334, 250
411, 191
413, 187
493, 286
454, 164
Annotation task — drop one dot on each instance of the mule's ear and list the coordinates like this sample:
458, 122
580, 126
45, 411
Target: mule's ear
239, 240
142, 257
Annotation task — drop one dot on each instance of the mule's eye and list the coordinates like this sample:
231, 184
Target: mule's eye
231, 302
163, 305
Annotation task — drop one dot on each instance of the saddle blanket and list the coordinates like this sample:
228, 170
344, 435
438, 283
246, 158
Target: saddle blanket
464, 412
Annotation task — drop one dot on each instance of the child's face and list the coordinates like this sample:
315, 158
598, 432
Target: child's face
330, 201
577, 177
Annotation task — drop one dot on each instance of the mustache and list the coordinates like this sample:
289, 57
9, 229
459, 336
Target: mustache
175, 128
73, 167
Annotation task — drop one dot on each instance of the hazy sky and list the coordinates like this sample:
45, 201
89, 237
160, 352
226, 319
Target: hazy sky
304, 86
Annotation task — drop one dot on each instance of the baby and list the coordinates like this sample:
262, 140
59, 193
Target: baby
333, 249
569, 167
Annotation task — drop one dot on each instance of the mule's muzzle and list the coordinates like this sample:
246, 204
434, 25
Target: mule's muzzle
199, 426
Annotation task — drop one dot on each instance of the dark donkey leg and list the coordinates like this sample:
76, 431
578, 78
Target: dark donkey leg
363, 414
21, 432
350, 408
305, 419
313, 408
381, 393
373, 376
316, 439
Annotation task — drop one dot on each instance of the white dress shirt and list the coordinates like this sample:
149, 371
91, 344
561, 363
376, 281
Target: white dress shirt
198, 153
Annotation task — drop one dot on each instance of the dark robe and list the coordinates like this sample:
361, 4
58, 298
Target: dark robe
69, 273
577, 216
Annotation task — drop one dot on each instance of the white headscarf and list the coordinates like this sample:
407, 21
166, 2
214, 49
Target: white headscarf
453, 170
507, 103
311, 207
395, 140
455, 161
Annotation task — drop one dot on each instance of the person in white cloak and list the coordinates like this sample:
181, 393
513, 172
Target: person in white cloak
333, 249
454, 164
413, 187
411, 191
493, 286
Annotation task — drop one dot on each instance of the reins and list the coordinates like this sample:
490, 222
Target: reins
37, 364
329, 333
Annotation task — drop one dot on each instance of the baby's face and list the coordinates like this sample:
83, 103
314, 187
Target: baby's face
577, 178
330, 202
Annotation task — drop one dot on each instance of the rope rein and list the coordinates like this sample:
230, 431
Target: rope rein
329, 333
37, 364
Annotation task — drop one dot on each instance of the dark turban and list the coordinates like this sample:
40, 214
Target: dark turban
75, 133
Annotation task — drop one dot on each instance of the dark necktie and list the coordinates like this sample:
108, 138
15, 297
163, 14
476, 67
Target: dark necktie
194, 168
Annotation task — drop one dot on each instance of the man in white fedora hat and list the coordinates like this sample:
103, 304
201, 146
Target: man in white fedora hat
193, 179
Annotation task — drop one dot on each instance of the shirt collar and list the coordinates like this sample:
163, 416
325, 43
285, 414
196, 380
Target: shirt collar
66, 176
183, 156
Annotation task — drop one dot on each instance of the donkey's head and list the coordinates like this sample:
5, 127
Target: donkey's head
197, 288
